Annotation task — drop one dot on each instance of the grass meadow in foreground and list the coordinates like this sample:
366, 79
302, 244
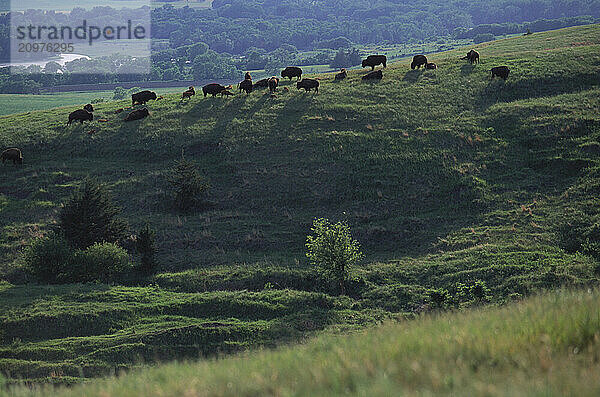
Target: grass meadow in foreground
546, 345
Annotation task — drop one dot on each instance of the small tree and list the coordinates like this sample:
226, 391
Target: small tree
189, 185
145, 245
332, 248
90, 216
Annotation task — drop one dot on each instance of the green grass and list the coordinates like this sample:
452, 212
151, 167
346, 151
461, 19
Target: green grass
446, 178
17, 103
546, 345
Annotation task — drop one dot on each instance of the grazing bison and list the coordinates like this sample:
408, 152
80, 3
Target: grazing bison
142, 97
245, 85
137, 114
89, 108
12, 154
247, 76
500, 71
273, 83
472, 57
189, 93
213, 89
418, 61
430, 66
292, 71
308, 84
375, 75
374, 60
264, 83
341, 75
80, 115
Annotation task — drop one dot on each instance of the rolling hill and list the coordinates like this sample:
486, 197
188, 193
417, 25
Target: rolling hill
447, 178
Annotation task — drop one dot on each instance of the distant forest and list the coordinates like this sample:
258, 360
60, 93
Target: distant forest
237, 35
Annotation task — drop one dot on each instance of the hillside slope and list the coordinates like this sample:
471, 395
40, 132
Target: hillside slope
547, 345
447, 178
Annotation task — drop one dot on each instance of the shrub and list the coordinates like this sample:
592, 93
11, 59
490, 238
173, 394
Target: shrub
100, 262
48, 259
580, 233
483, 37
145, 245
333, 250
439, 298
188, 184
90, 216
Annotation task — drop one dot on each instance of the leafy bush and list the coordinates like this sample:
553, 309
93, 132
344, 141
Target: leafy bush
90, 216
188, 184
333, 250
439, 298
580, 233
100, 262
48, 259
145, 245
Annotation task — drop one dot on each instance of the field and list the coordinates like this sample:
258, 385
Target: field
543, 346
15, 103
447, 178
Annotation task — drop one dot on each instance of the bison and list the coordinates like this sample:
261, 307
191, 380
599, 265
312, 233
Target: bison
12, 154
308, 84
430, 66
213, 89
245, 85
247, 76
375, 75
472, 57
137, 114
418, 61
341, 75
292, 71
264, 83
189, 93
80, 115
500, 71
89, 108
142, 97
374, 60
273, 83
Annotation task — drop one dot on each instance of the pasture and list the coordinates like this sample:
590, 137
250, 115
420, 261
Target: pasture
446, 177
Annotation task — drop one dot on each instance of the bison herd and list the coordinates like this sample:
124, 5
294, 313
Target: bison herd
272, 83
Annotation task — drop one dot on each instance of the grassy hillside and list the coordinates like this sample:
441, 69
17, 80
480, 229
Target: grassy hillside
446, 177
543, 346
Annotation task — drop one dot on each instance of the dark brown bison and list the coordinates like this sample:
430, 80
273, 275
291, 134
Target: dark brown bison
80, 115
430, 66
472, 57
189, 93
247, 76
142, 97
273, 83
213, 89
264, 83
341, 75
292, 71
308, 84
375, 75
245, 85
137, 114
89, 108
374, 60
12, 154
418, 61
500, 71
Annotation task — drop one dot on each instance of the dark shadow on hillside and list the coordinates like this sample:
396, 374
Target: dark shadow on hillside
413, 75
510, 90
467, 69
